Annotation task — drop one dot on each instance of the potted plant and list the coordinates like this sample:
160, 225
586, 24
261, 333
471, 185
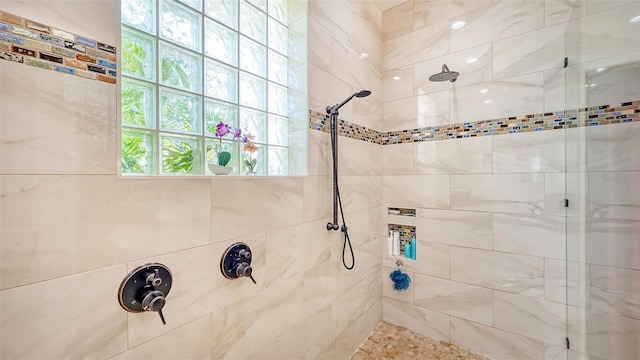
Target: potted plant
223, 157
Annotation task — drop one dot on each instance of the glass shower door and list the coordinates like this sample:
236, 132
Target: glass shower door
602, 179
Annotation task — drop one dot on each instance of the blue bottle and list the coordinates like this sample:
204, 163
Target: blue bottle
413, 248
408, 251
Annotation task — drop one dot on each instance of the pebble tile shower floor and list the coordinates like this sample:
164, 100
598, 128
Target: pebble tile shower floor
393, 342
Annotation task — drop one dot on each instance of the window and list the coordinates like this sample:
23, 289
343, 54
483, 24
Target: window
188, 65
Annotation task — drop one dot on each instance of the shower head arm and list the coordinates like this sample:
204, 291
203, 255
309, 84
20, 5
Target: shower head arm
331, 110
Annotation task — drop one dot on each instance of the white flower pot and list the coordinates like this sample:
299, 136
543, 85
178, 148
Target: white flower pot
219, 169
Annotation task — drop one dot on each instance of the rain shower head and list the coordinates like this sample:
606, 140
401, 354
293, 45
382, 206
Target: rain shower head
360, 94
445, 75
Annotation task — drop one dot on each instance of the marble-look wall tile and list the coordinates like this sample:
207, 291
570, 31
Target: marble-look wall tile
397, 83
517, 274
427, 12
454, 298
357, 157
603, 335
597, 6
368, 111
281, 201
533, 51
359, 192
191, 341
419, 320
560, 11
614, 195
431, 259
366, 32
353, 303
422, 44
566, 282
61, 225
398, 20
400, 114
317, 192
319, 148
511, 193
542, 236
71, 127
603, 148
397, 159
561, 186
71, 317
462, 228
320, 52
615, 290
495, 343
603, 34
416, 191
305, 340
604, 242
433, 109
334, 16
555, 90
298, 241
348, 66
250, 323
498, 99
323, 87
497, 21
476, 72
454, 156
534, 318
541, 151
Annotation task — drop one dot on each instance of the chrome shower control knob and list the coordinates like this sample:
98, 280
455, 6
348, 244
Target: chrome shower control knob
153, 301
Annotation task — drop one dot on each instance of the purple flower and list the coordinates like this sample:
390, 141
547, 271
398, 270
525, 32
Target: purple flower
237, 134
222, 129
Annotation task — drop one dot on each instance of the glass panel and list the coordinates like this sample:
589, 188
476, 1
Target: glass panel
140, 14
180, 68
277, 99
253, 23
277, 68
138, 55
221, 43
254, 160
225, 11
278, 130
180, 112
277, 36
253, 56
253, 91
138, 148
254, 123
180, 24
216, 146
181, 155
221, 81
217, 111
196, 4
260, 4
278, 10
138, 103
278, 160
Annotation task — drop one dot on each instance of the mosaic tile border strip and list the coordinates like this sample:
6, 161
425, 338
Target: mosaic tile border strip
42, 46
592, 116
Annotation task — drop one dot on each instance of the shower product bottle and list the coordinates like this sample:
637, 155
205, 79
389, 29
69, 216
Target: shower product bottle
407, 251
390, 244
413, 248
396, 243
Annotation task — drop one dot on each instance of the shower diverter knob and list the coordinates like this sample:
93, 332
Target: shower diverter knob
145, 289
236, 262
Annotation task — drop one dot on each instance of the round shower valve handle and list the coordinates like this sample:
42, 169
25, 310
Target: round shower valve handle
153, 301
154, 278
236, 262
145, 289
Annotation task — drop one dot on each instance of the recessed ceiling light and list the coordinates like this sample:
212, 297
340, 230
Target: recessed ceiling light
635, 19
601, 69
397, 78
458, 25
592, 85
364, 55
484, 91
488, 101
471, 60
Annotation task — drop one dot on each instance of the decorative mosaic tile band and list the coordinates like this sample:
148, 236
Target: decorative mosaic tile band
31, 43
593, 116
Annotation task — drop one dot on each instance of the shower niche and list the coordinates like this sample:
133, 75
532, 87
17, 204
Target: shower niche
401, 233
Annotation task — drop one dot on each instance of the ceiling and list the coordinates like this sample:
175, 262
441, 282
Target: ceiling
387, 4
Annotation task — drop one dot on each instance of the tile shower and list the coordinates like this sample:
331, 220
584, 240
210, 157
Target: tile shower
504, 269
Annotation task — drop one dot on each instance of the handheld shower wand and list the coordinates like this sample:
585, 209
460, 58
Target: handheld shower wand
333, 113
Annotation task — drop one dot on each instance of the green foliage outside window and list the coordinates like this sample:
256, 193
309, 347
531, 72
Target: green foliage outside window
133, 57
134, 154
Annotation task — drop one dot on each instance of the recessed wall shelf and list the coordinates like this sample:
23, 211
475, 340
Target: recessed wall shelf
401, 212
